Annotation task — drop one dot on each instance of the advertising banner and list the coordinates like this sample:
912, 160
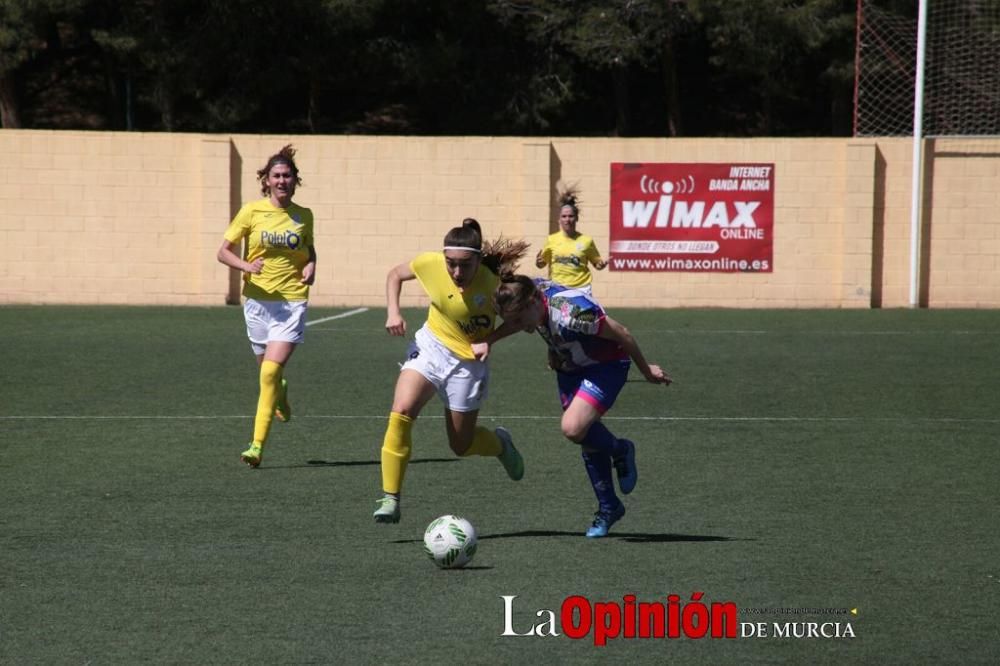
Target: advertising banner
716, 218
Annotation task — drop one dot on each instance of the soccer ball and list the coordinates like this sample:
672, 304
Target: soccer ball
450, 542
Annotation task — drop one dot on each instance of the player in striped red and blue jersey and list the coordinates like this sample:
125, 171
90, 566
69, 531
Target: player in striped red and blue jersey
591, 354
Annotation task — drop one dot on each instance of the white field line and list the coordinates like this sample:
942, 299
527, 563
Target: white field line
339, 316
553, 417
695, 332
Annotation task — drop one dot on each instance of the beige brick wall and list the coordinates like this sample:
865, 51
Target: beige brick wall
964, 225
130, 218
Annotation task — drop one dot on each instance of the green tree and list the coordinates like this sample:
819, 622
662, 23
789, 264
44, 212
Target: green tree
771, 59
625, 67
153, 50
611, 38
452, 69
28, 29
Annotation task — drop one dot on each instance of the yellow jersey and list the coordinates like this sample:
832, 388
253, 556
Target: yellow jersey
569, 259
282, 236
457, 318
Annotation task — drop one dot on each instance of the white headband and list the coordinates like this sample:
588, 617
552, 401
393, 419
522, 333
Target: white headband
464, 249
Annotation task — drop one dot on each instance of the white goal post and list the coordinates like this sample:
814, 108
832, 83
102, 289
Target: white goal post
932, 74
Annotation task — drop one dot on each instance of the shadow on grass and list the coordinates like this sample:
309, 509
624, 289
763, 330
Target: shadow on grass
631, 537
643, 537
467, 568
354, 463
348, 463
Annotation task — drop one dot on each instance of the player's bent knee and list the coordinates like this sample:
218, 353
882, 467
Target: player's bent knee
574, 432
406, 410
459, 446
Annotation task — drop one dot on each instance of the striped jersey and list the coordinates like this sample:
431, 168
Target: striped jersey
571, 326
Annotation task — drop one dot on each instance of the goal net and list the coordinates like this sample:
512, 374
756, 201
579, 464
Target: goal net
961, 69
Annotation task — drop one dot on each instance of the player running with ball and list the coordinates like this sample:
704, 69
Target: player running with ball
590, 353
447, 355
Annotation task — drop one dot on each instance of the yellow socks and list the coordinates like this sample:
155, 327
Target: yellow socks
397, 445
396, 452
270, 384
484, 443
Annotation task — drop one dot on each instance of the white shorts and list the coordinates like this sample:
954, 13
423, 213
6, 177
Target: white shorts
274, 321
461, 384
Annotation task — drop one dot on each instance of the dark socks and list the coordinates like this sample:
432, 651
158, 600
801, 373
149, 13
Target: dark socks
598, 466
599, 438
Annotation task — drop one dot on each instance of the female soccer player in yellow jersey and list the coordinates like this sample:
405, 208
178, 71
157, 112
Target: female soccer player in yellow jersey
568, 253
279, 267
448, 354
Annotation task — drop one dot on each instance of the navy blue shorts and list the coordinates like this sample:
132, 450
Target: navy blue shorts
597, 384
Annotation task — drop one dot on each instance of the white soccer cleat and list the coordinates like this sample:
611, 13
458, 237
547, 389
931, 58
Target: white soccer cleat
510, 458
388, 510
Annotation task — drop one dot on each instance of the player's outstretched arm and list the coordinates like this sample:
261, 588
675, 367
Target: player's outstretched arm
612, 330
394, 322
482, 348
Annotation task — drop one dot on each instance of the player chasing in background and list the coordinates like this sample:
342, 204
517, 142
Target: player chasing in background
568, 253
280, 266
590, 353
447, 355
